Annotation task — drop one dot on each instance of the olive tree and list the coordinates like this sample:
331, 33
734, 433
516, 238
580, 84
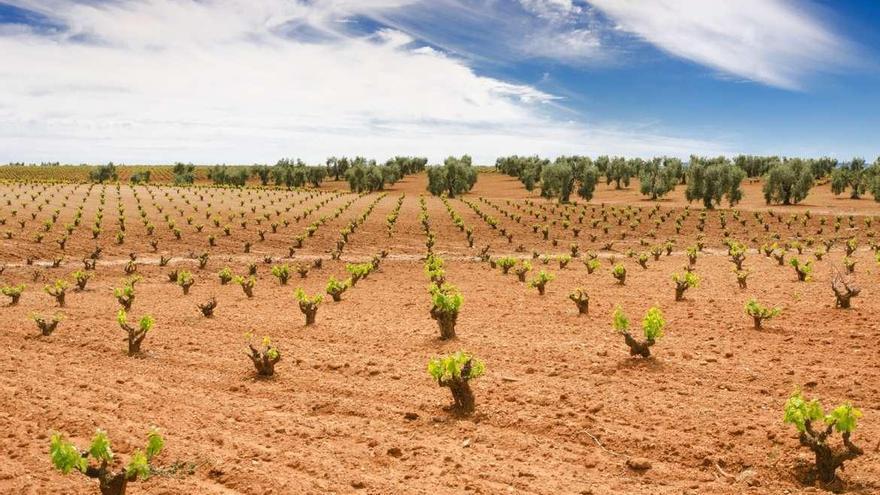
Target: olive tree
823, 166
455, 176
407, 164
560, 179
337, 167
619, 172
659, 176
527, 168
103, 173
755, 166
788, 182
710, 180
363, 176
184, 173
263, 172
852, 175
875, 181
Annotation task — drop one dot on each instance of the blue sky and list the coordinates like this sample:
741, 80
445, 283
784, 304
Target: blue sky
235, 81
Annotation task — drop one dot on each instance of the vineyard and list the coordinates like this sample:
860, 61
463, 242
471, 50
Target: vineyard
316, 340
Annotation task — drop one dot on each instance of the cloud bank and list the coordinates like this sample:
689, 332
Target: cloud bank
235, 81
775, 42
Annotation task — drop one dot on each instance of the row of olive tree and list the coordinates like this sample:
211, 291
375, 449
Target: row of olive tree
757, 166
712, 179
858, 178
232, 176
660, 175
569, 174
788, 181
616, 170
406, 165
455, 176
292, 173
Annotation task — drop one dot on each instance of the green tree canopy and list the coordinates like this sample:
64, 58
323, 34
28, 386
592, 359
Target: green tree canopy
710, 180
103, 173
659, 176
184, 173
455, 176
561, 178
853, 175
788, 182
619, 172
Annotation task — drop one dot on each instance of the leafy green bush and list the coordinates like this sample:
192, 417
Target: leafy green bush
652, 326
308, 305
522, 269
592, 264
434, 269
563, 261
358, 271
849, 264
456, 371
802, 269
135, 335
850, 246
737, 253
657, 252
282, 273
760, 313
264, 358
185, 280
336, 288
684, 281
247, 284
446, 301
125, 294
691, 252
81, 278
802, 413
225, 275
619, 273
58, 290
13, 292
540, 281
506, 263
66, 458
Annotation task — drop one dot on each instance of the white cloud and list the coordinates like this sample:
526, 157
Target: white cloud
551, 9
226, 81
775, 42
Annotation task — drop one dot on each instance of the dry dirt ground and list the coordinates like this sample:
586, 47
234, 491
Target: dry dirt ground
561, 409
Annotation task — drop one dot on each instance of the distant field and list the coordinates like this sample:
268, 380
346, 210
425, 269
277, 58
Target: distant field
562, 407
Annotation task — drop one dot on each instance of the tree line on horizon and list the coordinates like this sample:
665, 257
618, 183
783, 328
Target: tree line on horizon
708, 180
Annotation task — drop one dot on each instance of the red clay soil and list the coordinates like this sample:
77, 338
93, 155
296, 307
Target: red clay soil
562, 407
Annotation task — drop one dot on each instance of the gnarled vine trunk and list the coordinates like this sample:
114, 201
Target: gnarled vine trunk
446, 321
636, 347
827, 459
